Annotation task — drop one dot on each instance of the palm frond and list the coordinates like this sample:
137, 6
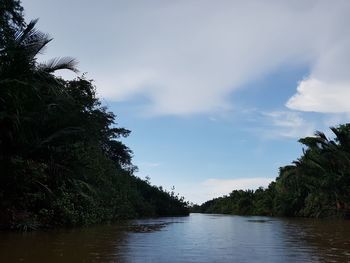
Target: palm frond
20, 36
58, 64
321, 135
32, 39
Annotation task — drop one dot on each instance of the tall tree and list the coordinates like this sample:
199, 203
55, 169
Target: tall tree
62, 161
11, 20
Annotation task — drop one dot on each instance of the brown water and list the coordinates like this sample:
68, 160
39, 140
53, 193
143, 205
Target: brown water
196, 238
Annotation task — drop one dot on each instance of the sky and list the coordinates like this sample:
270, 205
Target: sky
216, 93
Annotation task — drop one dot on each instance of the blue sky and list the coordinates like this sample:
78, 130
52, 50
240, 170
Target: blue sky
216, 93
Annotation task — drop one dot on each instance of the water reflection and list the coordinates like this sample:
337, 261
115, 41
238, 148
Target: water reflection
197, 238
328, 239
93, 244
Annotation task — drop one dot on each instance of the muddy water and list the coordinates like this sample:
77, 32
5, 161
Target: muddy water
196, 238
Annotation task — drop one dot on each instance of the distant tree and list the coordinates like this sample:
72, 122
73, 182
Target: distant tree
317, 184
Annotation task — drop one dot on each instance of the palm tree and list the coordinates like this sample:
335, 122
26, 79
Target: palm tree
325, 168
18, 58
25, 90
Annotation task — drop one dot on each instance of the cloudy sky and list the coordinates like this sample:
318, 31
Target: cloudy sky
216, 93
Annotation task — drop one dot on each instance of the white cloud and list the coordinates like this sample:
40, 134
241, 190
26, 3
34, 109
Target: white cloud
285, 119
287, 124
327, 89
335, 119
148, 164
319, 96
187, 56
218, 187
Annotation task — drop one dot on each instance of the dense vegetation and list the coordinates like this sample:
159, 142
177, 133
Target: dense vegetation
61, 158
315, 185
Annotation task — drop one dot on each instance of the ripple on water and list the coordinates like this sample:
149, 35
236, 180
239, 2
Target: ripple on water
197, 238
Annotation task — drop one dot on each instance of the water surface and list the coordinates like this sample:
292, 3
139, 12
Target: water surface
196, 238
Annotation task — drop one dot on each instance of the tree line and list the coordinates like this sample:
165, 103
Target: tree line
316, 185
62, 161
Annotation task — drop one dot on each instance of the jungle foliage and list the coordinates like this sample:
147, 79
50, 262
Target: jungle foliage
315, 185
62, 161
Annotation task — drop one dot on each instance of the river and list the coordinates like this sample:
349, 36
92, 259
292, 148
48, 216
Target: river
196, 238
